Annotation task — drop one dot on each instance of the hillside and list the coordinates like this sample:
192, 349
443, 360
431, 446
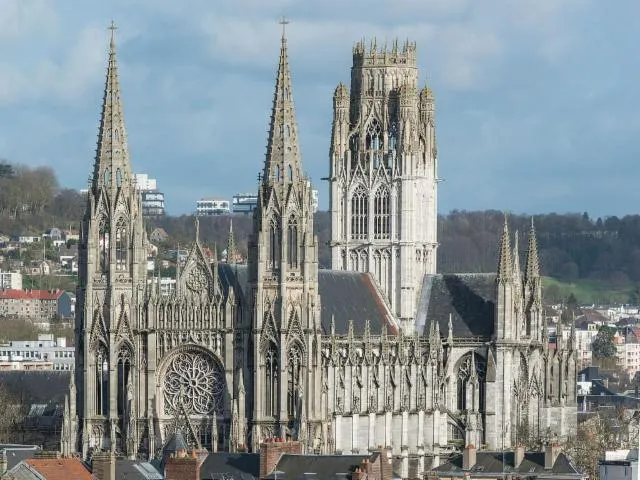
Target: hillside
596, 259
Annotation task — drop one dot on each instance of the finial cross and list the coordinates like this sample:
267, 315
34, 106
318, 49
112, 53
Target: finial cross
284, 22
113, 29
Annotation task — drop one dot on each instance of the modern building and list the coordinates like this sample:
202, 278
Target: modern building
334, 359
36, 305
619, 465
10, 280
152, 199
314, 200
212, 206
164, 285
46, 349
244, 203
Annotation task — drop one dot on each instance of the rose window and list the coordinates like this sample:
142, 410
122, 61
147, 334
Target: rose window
195, 381
197, 280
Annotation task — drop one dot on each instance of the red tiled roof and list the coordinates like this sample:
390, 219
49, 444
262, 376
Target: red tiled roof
60, 468
10, 294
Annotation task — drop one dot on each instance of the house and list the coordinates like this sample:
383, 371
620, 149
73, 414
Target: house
35, 304
54, 234
50, 466
550, 464
158, 235
28, 239
619, 465
71, 236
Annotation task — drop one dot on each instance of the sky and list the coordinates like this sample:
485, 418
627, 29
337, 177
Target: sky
537, 100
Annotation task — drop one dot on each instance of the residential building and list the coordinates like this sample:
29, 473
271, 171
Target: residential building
46, 349
165, 285
35, 305
332, 359
152, 199
314, 201
10, 280
619, 465
212, 206
28, 365
244, 203
550, 464
51, 466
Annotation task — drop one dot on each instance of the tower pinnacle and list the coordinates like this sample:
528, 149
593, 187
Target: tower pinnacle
505, 264
532, 268
112, 168
283, 165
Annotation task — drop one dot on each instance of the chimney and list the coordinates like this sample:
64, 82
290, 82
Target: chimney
183, 466
3, 462
469, 457
551, 453
103, 466
518, 455
272, 449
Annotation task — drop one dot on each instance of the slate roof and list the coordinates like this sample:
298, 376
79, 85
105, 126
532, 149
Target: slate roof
468, 297
489, 463
17, 453
230, 466
293, 467
37, 386
344, 296
136, 470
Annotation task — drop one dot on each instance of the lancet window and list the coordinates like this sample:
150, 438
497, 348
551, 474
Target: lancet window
292, 238
271, 380
294, 369
122, 246
374, 143
103, 245
102, 380
274, 243
381, 213
464, 374
124, 372
359, 214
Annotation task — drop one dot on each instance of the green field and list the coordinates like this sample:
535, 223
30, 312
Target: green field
586, 291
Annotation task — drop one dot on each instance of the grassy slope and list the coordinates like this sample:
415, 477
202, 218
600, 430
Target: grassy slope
590, 291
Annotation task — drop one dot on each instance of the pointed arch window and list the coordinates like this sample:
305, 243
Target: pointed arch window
122, 245
292, 248
271, 380
118, 178
124, 358
463, 377
276, 175
103, 246
294, 386
289, 173
382, 214
374, 143
359, 214
274, 243
354, 148
102, 380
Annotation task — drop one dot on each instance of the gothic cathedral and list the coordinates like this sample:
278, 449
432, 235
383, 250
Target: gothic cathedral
379, 350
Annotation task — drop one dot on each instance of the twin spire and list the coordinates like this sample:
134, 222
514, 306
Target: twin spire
282, 164
509, 262
112, 168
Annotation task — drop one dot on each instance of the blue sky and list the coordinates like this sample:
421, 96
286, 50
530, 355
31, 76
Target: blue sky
537, 101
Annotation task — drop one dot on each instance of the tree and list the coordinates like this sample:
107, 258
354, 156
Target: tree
603, 345
11, 413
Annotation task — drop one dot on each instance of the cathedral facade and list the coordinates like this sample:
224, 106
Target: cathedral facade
379, 350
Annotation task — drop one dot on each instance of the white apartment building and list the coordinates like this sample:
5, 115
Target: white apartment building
45, 349
619, 465
10, 280
628, 357
143, 182
167, 284
584, 339
152, 199
213, 206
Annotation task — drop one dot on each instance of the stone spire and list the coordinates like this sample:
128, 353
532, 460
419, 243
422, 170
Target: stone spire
532, 268
112, 167
504, 263
516, 258
231, 244
283, 165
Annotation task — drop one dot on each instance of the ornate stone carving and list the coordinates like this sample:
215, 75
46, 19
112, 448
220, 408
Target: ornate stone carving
197, 280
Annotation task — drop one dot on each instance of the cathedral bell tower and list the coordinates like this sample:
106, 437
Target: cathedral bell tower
283, 277
383, 194
112, 275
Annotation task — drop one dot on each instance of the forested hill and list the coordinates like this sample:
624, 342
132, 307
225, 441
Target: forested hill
572, 246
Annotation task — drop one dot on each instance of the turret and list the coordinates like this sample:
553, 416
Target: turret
533, 288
